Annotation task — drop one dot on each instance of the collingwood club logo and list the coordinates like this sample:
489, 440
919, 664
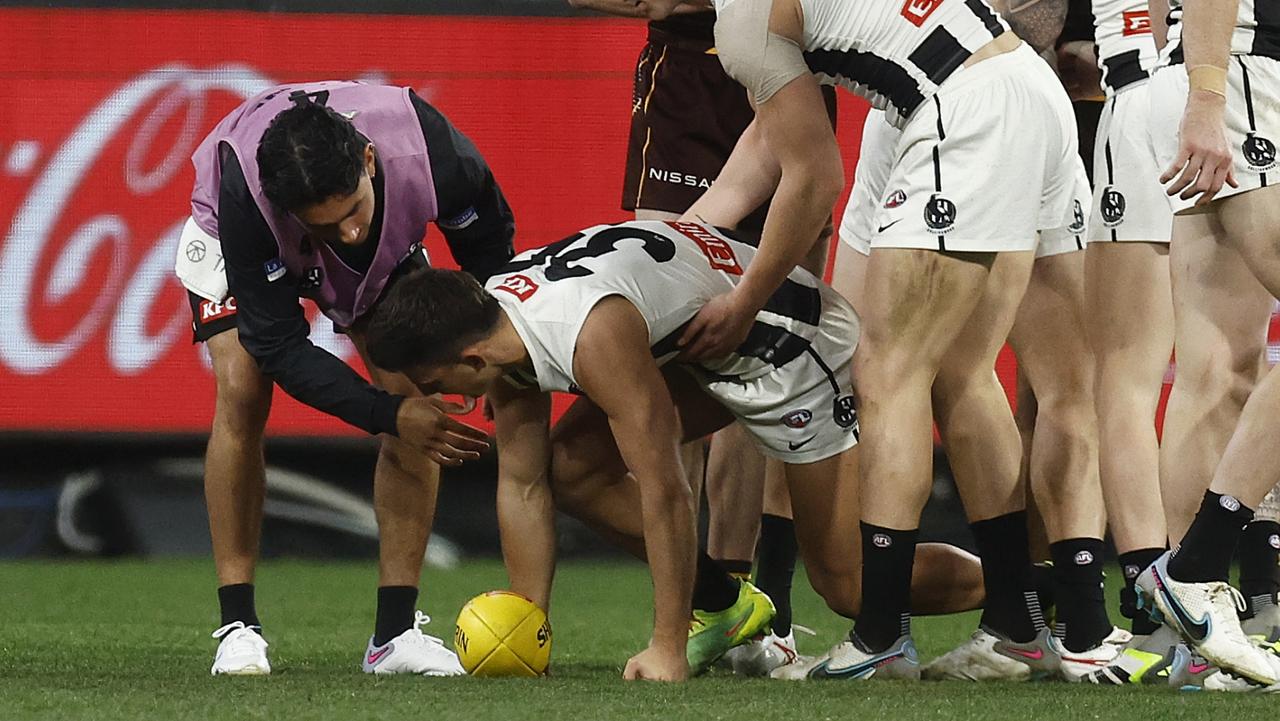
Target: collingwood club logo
939, 214
1077, 218
1112, 207
1259, 152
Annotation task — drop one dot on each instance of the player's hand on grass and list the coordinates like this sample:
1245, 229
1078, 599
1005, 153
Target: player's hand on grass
657, 664
1203, 162
427, 422
717, 330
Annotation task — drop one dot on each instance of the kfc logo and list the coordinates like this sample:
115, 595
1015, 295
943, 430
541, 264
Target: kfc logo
518, 285
917, 11
1136, 22
210, 310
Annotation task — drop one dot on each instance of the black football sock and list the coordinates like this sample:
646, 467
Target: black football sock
1132, 564
1042, 582
1082, 621
236, 602
777, 553
713, 588
1206, 551
396, 605
740, 570
1260, 565
1012, 608
888, 556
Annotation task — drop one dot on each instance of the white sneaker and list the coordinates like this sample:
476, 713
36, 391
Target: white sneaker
1144, 660
976, 660
846, 660
412, 652
242, 652
1205, 615
1264, 623
1074, 666
760, 656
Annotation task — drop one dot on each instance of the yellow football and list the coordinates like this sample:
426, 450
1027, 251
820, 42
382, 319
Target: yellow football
501, 633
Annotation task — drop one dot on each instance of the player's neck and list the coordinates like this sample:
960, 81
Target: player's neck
506, 347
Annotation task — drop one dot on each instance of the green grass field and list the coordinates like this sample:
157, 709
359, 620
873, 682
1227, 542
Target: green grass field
131, 640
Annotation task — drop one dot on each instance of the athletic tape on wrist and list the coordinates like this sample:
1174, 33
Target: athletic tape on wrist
1209, 78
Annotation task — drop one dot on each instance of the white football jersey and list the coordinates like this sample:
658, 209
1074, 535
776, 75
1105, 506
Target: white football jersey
1257, 30
1126, 47
895, 53
668, 270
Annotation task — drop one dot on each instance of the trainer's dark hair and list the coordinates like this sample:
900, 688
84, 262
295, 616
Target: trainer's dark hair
428, 317
309, 154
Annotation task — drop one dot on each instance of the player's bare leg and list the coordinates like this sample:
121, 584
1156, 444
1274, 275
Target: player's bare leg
1049, 340
735, 498
1130, 328
235, 476
405, 483
1250, 468
1220, 315
1195, 576
591, 483
925, 302
235, 485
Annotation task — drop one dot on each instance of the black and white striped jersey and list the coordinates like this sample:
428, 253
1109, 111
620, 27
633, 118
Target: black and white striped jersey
1257, 30
895, 53
1126, 48
668, 270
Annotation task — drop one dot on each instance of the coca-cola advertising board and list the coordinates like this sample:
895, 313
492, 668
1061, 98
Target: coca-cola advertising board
101, 109
99, 113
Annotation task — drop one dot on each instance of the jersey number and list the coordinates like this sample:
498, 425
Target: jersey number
559, 258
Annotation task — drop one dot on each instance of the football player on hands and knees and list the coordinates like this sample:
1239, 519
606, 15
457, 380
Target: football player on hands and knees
950, 262
323, 191
1214, 127
686, 116
600, 313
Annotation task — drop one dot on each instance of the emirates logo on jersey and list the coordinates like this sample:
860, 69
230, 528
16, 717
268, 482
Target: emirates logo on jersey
1136, 22
917, 11
518, 285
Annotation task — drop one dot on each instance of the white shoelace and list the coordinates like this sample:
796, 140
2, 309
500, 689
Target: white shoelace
421, 619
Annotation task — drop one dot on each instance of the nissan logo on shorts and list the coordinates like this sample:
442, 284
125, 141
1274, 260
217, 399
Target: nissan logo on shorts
797, 419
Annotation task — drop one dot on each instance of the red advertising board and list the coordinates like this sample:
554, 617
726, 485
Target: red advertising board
99, 113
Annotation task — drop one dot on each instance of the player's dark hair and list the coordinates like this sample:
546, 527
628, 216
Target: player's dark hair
309, 154
428, 317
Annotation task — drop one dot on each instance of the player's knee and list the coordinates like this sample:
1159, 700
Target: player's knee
403, 458
572, 486
838, 586
244, 397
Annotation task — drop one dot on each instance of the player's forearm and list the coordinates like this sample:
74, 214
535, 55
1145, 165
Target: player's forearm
647, 441
526, 520
800, 208
1206, 32
1158, 12
746, 181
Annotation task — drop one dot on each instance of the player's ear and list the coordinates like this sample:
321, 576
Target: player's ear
370, 166
473, 358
